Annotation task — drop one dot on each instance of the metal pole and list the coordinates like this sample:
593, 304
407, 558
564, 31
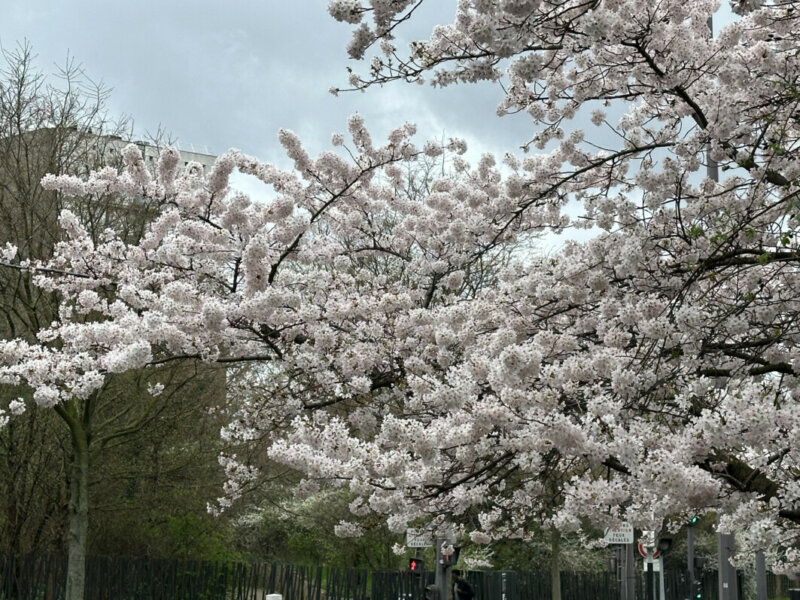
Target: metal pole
619, 568
761, 576
649, 578
630, 573
690, 560
663, 595
728, 586
418, 579
442, 572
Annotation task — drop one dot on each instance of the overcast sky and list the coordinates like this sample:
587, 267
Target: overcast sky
226, 74
230, 74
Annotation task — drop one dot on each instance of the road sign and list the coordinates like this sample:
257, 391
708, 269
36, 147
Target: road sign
622, 535
418, 538
648, 551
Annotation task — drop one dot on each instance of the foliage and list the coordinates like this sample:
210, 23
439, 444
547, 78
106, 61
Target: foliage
166, 471
536, 554
193, 537
302, 532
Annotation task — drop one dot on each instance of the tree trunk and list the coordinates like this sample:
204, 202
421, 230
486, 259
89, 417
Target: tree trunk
78, 514
555, 564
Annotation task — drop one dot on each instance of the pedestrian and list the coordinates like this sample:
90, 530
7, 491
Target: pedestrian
462, 590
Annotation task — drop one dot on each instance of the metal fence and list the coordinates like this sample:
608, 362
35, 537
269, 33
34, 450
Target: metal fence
513, 585
42, 577
534, 585
121, 578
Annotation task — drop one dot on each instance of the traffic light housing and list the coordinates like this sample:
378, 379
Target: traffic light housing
699, 565
416, 565
451, 559
694, 520
698, 590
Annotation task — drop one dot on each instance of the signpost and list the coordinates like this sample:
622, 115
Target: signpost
653, 563
418, 538
623, 537
629, 575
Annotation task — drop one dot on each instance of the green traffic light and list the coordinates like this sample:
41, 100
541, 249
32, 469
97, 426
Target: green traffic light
694, 520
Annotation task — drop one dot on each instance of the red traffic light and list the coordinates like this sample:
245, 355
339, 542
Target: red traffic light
416, 565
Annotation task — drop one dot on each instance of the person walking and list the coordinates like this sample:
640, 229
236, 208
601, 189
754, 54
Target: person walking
462, 590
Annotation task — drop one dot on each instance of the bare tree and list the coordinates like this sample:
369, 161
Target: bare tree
58, 124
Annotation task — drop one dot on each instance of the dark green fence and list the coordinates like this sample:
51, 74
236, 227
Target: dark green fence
42, 578
536, 585
121, 578
398, 585
511, 585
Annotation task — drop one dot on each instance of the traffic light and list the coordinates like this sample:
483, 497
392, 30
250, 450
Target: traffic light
612, 564
416, 565
699, 565
694, 520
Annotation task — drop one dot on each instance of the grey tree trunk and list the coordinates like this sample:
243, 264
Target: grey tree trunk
78, 515
555, 564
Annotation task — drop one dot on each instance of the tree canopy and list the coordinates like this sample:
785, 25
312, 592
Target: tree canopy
647, 374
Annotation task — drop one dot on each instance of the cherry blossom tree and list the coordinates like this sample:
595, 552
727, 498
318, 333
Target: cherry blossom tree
647, 373
333, 225
662, 351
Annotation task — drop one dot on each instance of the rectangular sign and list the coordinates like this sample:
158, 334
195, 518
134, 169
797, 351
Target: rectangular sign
656, 562
649, 538
418, 538
623, 535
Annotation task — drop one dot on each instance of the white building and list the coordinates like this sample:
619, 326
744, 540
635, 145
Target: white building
150, 151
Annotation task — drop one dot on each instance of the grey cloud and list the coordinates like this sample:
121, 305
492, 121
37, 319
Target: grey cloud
230, 74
